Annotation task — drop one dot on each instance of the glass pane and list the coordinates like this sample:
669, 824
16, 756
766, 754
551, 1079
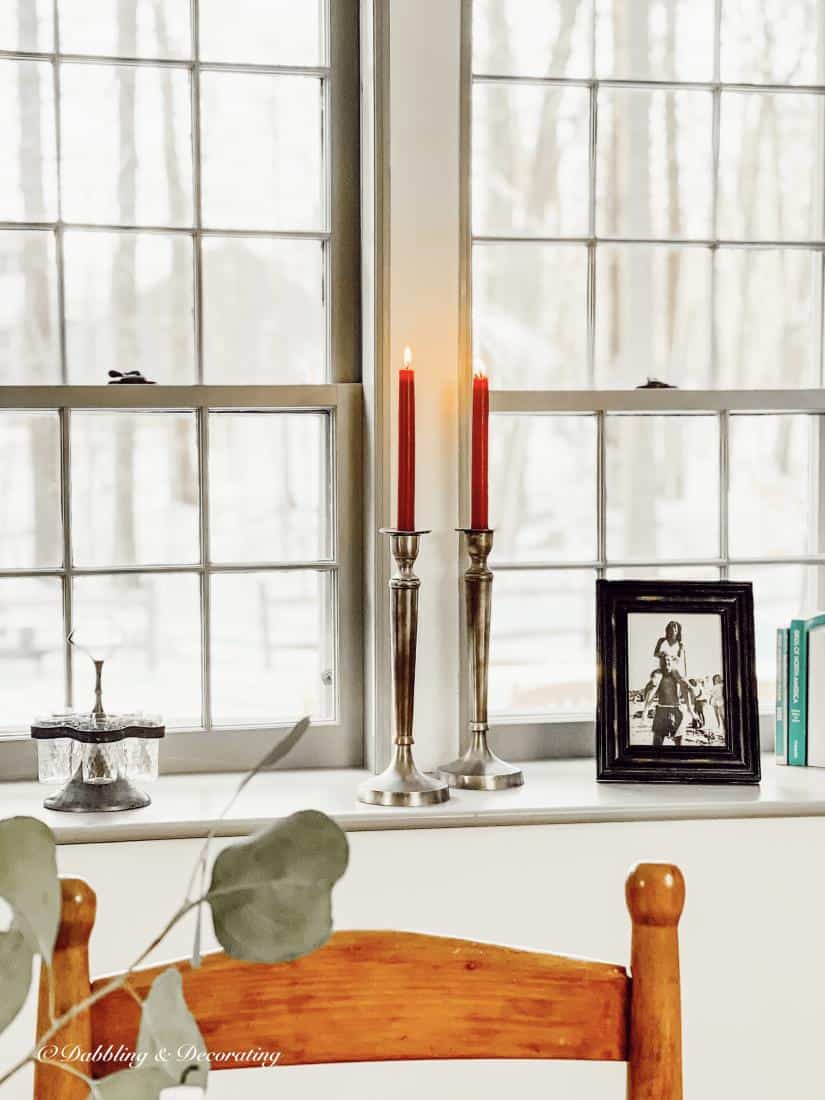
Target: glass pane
148, 628
268, 487
773, 486
138, 28
654, 163
530, 155
770, 178
264, 320
26, 25
266, 32
773, 42
767, 317
530, 314
30, 529
543, 487
261, 151
129, 305
649, 40
532, 37
652, 315
134, 488
780, 593
32, 666
543, 644
28, 180
662, 487
272, 639
126, 155
663, 573
29, 336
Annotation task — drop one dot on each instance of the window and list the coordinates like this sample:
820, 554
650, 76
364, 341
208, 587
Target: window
179, 196
633, 214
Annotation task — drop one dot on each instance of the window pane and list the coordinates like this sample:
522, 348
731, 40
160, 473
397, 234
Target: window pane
268, 32
648, 40
532, 37
543, 644
261, 150
134, 488
138, 28
654, 163
28, 180
264, 320
26, 25
29, 338
126, 155
129, 305
773, 489
272, 650
770, 182
147, 627
652, 315
767, 317
530, 314
663, 573
268, 477
774, 42
543, 487
30, 529
780, 593
530, 154
32, 667
662, 487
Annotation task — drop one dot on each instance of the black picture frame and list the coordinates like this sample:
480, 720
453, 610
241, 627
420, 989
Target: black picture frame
617, 760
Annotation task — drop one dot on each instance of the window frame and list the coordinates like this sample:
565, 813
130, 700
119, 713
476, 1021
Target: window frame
526, 737
336, 743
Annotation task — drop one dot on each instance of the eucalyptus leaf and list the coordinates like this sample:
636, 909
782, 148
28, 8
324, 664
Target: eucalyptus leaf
15, 974
169, 1036
271, 894
132, 1084
29, 882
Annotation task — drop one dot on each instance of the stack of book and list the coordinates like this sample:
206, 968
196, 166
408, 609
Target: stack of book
800, 693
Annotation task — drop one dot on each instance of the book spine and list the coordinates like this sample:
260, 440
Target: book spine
797, 695
782, 635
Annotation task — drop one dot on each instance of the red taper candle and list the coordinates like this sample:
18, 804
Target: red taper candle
481, 432
406, 445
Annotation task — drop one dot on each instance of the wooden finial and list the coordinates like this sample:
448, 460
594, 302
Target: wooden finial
77, 914
655, 894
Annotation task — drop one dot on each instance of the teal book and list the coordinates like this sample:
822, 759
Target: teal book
815, 696
782, 635
797, 694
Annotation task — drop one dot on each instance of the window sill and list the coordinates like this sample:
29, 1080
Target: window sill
556, 792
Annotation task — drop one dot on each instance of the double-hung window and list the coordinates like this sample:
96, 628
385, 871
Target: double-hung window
646, 199
179, 196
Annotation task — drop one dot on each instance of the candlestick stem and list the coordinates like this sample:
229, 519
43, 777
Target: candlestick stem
479, 768
402, 784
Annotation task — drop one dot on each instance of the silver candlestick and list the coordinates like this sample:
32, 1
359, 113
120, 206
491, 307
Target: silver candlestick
479, 769
402, 784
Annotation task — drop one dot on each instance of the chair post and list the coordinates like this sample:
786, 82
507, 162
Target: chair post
70, 972
655, 895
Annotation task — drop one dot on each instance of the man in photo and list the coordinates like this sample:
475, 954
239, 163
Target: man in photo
668, 716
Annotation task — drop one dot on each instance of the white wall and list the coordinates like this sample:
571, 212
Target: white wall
753, 948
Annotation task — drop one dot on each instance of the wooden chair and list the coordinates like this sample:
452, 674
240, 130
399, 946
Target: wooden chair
385, 996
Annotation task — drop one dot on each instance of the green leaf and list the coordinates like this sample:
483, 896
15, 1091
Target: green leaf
271, 894
28, 880
132, 1084
15, 974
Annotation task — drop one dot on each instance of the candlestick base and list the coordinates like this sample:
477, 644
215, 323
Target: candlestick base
479, 769
402, 784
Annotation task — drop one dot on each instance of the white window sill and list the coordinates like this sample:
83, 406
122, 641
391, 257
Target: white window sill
555, 792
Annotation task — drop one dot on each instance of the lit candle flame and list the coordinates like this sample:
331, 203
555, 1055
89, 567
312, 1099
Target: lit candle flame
408, 358
480, 369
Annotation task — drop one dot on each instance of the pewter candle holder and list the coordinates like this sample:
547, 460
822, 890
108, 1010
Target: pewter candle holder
402, 784
479, 769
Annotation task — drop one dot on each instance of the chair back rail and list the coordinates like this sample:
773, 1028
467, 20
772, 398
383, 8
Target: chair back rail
369, 996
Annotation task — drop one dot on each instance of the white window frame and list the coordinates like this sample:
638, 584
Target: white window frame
541, 737
334, 743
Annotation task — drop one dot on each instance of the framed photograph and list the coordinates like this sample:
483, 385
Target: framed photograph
676, 697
